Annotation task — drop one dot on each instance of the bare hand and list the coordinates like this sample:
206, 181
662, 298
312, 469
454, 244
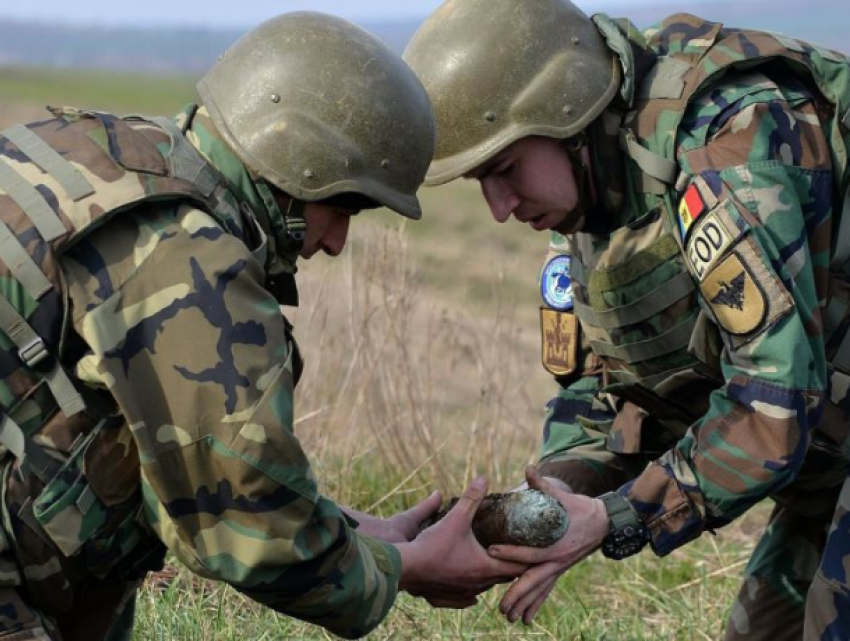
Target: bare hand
399, 528
588, 527
446, 565
556, 483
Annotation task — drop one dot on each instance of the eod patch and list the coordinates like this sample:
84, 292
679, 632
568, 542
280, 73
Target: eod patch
708, 241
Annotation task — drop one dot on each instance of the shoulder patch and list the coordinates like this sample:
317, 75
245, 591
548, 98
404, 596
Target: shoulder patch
559, 339
708, 241
691, 207
745, 296
556, 285
735, 297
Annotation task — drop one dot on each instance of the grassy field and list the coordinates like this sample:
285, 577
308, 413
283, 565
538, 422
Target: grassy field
422, 371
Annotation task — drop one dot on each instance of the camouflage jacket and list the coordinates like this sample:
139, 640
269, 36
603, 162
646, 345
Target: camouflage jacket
710, 303
171, 331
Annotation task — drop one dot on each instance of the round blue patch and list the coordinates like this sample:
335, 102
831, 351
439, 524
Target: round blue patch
556, 286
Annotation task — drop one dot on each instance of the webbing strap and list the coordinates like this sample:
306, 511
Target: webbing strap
653, 164
651, 381
833, 315
641, 309
646, 184
32, 351
841, 254
640, 264
26, 196
21, 264
69, 400
69, 177
32, 456
12, 437
578, 272
670, 341
842, 356
186, 162
666, 80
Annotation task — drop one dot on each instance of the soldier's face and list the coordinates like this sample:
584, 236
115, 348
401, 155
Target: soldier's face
532, 180
327, 229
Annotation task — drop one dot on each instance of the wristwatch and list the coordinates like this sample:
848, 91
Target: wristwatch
628, 533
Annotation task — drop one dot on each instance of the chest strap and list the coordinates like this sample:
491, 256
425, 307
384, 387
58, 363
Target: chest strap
659, 172
639, 310
670, 341
841, 251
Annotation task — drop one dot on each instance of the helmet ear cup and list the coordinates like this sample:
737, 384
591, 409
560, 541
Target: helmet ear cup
501, 70
317, 107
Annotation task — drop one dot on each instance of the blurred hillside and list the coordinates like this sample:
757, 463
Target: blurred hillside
191, 51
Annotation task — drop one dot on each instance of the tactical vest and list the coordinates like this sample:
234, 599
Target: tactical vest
635, 297
60, 179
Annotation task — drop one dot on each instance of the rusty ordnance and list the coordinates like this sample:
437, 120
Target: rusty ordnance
525, 517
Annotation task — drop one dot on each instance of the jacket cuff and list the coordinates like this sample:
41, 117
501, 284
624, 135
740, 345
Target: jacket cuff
668, 513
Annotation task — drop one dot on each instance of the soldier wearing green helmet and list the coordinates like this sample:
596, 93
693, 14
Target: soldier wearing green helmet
146, 399
694, 179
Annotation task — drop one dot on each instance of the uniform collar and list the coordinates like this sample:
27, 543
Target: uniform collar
256, 192
636, 58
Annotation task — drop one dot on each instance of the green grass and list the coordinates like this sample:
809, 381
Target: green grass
102, 91
684, 596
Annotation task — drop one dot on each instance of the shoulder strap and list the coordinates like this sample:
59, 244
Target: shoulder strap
186, 163
75, 184
31, 347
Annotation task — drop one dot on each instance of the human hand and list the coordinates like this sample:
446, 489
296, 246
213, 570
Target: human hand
555, 482
446, 565
399, 528
588, 526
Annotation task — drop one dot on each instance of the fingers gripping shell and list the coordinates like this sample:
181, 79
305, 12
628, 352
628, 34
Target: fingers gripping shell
526, 517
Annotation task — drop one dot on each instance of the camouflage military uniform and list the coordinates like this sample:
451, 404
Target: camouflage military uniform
712, 369
157, 301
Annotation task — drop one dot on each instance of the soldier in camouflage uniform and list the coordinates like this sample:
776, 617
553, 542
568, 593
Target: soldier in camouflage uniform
696, 291
147, 371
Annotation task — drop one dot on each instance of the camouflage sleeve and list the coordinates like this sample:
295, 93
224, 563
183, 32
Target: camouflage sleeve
576, 443
765, 182
195, 351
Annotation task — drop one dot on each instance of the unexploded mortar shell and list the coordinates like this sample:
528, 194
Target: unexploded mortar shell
526, 517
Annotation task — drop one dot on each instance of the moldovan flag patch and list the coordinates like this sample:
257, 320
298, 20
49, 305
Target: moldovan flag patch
559, 337
691, 207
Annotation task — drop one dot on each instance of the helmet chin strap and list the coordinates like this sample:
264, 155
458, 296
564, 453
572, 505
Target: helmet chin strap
294, 227
593, 219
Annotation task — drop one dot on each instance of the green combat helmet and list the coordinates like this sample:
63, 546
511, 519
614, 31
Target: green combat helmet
501, 70
319, 107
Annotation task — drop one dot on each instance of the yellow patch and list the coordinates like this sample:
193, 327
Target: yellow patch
559, 334
735, 297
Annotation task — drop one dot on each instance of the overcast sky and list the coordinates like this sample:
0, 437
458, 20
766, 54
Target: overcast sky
227, 13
